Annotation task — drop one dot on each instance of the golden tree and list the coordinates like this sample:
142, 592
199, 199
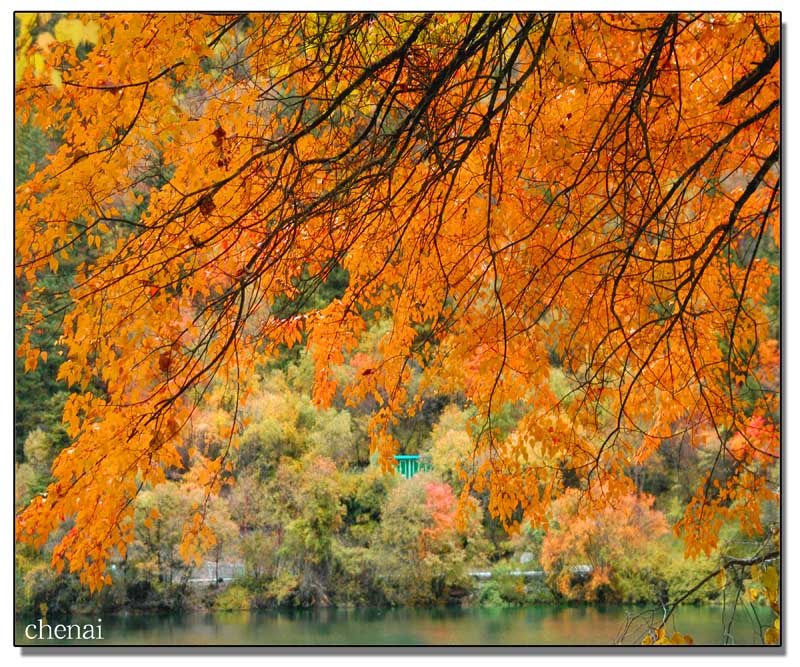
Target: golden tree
517, 190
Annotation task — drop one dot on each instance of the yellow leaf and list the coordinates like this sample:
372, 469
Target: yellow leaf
76, 31
771, 581
26, 22
38, 63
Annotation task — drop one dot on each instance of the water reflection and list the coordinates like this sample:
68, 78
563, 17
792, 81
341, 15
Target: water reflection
528, 626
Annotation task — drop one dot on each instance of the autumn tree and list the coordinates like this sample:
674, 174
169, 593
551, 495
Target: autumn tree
597, 193
588, 556
421, 551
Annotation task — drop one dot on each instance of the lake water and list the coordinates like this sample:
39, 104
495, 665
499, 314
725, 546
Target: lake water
527, 626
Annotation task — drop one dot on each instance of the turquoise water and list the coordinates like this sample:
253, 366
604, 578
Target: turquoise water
527, 626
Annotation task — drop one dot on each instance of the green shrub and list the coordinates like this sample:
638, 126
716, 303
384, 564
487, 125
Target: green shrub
42, 586
234, 597
510, 587
489, 595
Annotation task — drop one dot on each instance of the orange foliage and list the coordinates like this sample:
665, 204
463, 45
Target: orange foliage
580, 187
607, 539
441, 505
